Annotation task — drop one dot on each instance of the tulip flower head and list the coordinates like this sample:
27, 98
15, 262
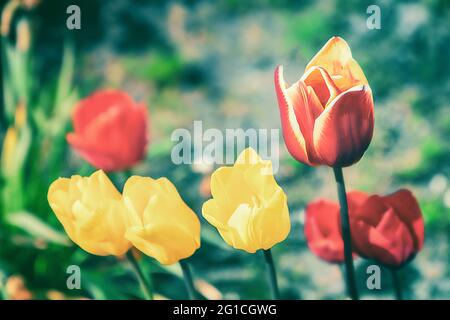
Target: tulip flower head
323, 230
327, 116
162, 225
388, 229
110, 130
248, 208
91, 212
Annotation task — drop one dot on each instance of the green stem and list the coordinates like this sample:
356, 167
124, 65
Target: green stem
272, 275
145, 285
188, 280
346, 235
397, 285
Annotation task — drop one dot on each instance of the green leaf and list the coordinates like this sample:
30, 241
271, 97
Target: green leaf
37, 228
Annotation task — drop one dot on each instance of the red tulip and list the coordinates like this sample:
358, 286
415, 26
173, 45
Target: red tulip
327, 116
388, 229
323, 230
110, 130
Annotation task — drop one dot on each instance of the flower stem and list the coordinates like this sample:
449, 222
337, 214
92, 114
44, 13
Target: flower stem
272, 275
346, 235
188, 280
397, 285
145, 285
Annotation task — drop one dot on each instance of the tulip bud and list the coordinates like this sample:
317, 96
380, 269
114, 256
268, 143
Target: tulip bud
110, 130
327, 116
248, 208
388, 229
92, 213
162, 225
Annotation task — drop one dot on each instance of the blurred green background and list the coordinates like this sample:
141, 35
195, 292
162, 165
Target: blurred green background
214, 61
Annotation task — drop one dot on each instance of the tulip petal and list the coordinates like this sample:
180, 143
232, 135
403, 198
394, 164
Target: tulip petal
229, 189
355, 199
336, 57
321, 83
323, 230
390, 241
378, 233
91, 212
344, 130
272, 215
408, 210
164, 242
89, 108
293, 137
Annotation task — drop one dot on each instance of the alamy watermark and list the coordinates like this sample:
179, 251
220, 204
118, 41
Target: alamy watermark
74, 278
213, 146
374, 20
374, 279
74, 20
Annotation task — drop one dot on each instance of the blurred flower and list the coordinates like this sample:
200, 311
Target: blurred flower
323, 230
248, 208
30, 4
208, 290
7, 16
11, 142
162, 225
110, 130
327, 116
205, 187
388, 229
20, 115
23, 41
92, 213
8, 149
16, 289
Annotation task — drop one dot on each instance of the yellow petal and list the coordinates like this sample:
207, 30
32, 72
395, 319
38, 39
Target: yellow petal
248, 208
336, 58
164, 228
91, 212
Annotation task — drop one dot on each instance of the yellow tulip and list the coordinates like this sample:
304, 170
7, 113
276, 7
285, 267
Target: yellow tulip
248, 208
163, 226
92, 213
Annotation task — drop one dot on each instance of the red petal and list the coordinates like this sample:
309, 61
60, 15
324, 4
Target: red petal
89, 108
355, 199
344, 130
391, 241
323, 231
407, 209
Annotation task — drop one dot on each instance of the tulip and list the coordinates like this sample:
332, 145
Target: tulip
91, 212
323, 230
388, 229
162, 225
248, 208
327, 116
110, 130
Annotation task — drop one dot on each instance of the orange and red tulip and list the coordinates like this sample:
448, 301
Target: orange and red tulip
110, 130
327, 116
